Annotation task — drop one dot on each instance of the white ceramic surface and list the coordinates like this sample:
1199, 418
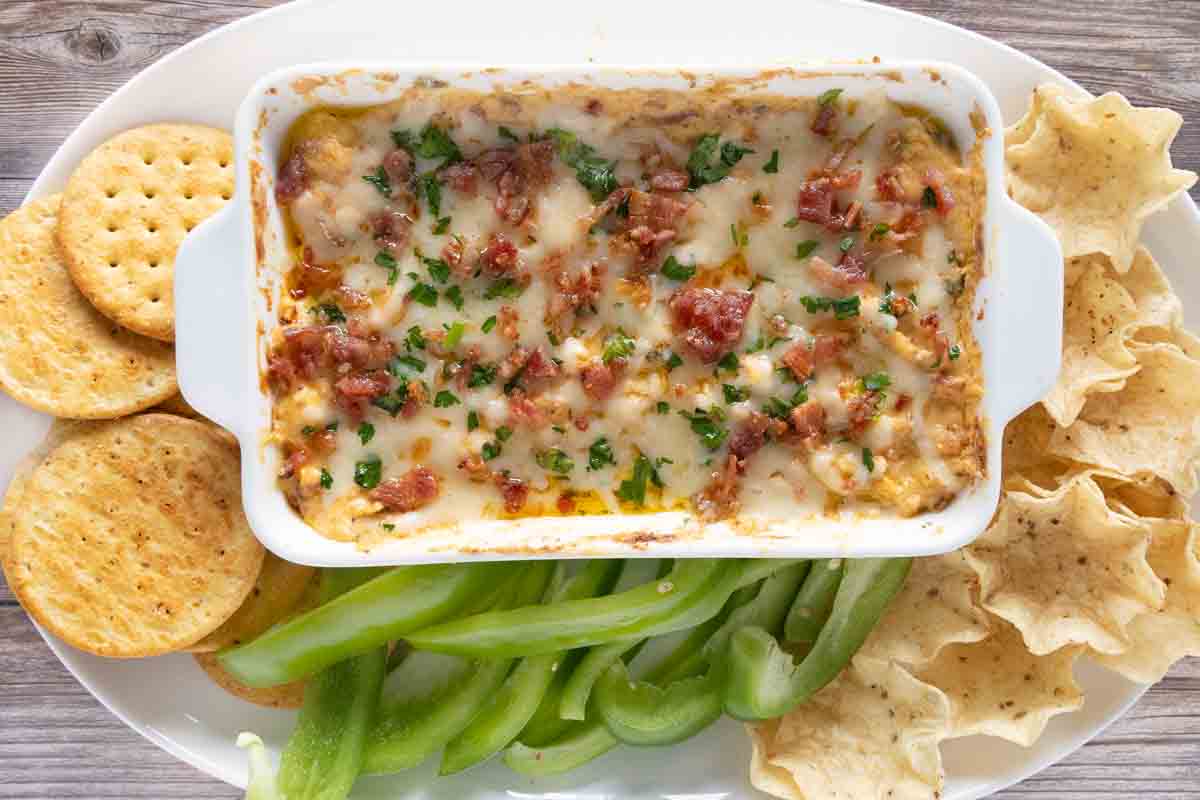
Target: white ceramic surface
227, 263
169, 701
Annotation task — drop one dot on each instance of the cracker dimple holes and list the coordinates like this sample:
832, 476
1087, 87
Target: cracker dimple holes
152, 227
150, 193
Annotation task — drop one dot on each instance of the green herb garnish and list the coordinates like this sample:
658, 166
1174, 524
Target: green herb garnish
368, 473
379, 179
868, 459
704, 424
772, 165
805, 249
326, 479
672, 269
424, 294
506, 288
600, 455
700, 164
366, 432
617, 345
555, 461
734, 394
488, 324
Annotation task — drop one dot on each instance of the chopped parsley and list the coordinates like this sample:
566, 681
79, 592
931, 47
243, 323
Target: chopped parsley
445, 399
772, 165
454, 334
954, 286
879, 231
326, 479
490, 450
481, 375
734, 394
506, 287
806, 248
409, 361
868, 459
728, 362
386, 260
441, 226
705, 425
700, 164
333, 426
846, 243
368, 473
455, 296
633, 489
308, 430
414, 339
674, 361
392, 403
929, 198
663, 407
379, 179
405, 141
740, 238
505, 133
876, 381
594, 173
424, 294
555, 460
488, 324
600, 455
842, 308
828, 96
472, 421
439, 270
429, 187
791, 223
955, 352
331, 311
436, 143
617, 345
504, 433
672, 269
366, 432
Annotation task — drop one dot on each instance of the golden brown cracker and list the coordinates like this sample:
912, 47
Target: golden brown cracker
287, 695
128, 206
129, 539
277, 592
57, 353
175, 404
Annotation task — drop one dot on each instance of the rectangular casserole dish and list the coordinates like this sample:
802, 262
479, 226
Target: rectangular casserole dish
229, 279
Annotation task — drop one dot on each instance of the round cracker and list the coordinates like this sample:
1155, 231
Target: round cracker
277, 591
57, 354
127, 208
129, 539
287, 695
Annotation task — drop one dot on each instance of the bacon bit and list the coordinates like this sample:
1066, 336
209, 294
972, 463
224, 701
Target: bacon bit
357, 346
299, 356
889, 185
296, 459
315, 278
462, 177
293, 178
525, 413
799, 359
355, 391
494, 163
901, 306
750, 435
565, 504
593, 106
398, 165
323, 442
599, 379
528, 170
509, 319
514, 491
582, 422
808, 421
862, 409
823, 122
417, 397
655, 211
842, 277
828, 349
931, 324
500, 257
460, 372
391, 229
647, 242
414, 489
476, 468
669, 180
852, 216
452, 254
949, 387
816, 202
719, 499
711, 320
281, 372
903, 401
653, 221
573, 292
935, 180
514, 362
540, 367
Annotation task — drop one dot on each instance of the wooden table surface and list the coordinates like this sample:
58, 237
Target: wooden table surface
60, 58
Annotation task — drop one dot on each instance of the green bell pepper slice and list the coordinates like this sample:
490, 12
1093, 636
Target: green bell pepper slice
814, 601
764, 681
584, 742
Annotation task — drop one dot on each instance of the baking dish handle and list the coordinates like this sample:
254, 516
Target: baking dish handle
1029, 302
211, 312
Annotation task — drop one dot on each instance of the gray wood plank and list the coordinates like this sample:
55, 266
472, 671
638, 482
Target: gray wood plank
59, 58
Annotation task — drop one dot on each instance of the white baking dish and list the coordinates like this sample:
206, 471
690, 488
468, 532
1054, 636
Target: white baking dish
228, 277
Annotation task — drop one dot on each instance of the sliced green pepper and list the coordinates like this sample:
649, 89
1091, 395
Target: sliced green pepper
814, 601
693, 592
583, 677
408, 733
505, 715
324, 754
584, 742
383, 608
546, 726
763, 680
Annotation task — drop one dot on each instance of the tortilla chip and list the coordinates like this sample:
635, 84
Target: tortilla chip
1094, 170
1096, 318
1147, 428
998, 688
1160, 638
1159, 310
1026, 455
873, 732
937, 607
1065, 568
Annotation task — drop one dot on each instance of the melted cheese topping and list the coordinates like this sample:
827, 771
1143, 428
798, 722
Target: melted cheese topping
884, 422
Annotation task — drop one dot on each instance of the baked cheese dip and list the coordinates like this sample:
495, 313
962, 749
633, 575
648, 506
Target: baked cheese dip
586, 301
